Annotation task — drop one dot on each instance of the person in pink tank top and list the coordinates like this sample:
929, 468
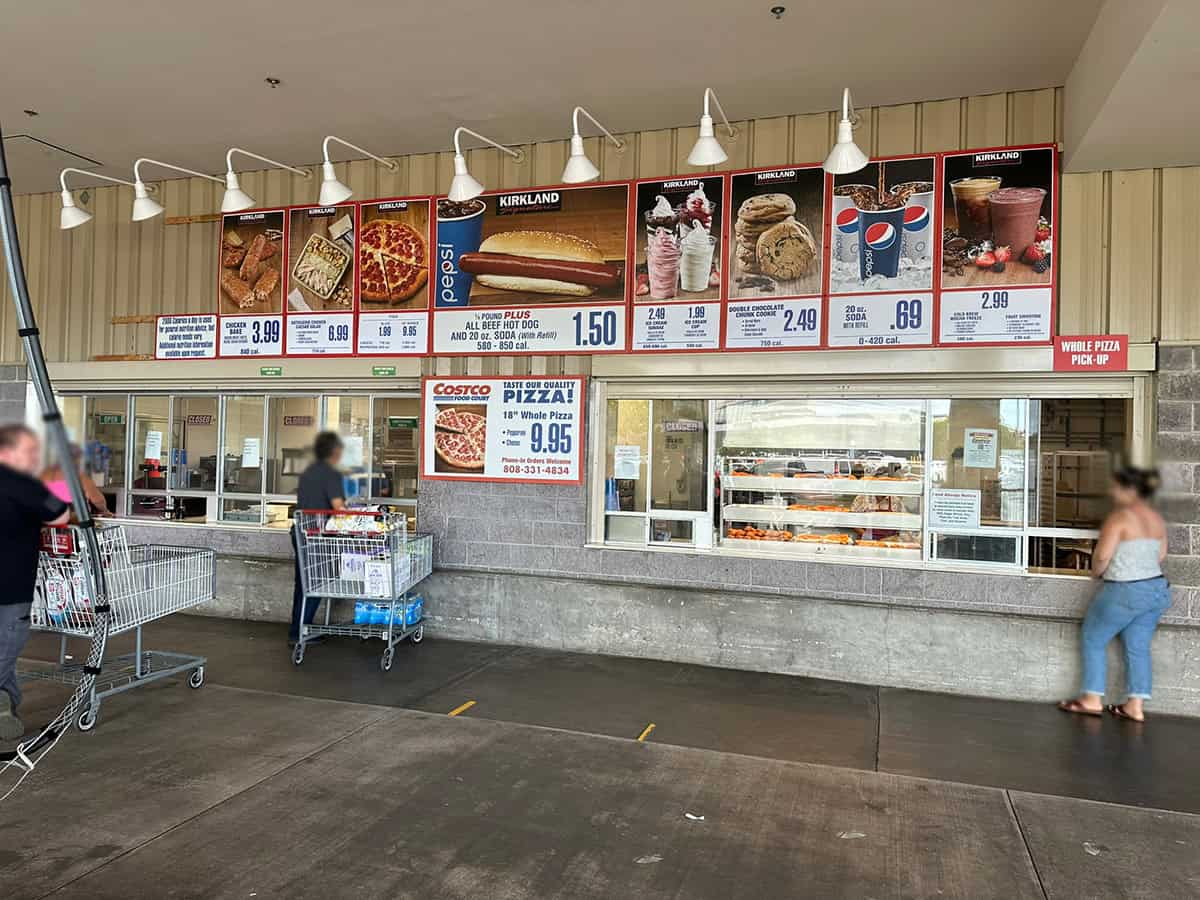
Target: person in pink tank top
55, 480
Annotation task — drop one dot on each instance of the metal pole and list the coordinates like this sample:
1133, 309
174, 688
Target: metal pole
57, 435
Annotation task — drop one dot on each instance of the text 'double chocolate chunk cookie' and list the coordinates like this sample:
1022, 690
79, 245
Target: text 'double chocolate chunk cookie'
786, 250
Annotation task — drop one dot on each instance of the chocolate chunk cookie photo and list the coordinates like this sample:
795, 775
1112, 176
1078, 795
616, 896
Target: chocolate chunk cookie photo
775, 233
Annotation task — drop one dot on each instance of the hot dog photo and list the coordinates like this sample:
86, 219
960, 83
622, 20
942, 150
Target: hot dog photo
544, 246
251, 251
678, 240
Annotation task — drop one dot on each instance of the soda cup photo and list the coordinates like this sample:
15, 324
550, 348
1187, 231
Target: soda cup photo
879, 241
917, 241
845, 221
459, 231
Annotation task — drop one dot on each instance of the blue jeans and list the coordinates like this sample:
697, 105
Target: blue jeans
1132, 610
302, 610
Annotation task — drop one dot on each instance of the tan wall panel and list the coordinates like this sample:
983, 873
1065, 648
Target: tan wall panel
1129, 239
1180, 250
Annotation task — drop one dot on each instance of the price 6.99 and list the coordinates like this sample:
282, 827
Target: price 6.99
339, 333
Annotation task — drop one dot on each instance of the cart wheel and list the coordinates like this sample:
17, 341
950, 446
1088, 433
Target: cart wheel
298, 654
385, 661
418, 635
86, 720
197, 678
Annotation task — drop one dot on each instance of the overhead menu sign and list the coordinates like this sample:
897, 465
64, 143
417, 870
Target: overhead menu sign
503, 429
540, 271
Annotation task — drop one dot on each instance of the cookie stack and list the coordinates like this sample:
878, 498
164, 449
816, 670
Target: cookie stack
769, 240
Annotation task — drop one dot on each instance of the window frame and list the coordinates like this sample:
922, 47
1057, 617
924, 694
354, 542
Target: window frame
1135, 387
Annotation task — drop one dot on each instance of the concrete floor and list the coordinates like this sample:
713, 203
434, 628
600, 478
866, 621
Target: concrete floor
338, 780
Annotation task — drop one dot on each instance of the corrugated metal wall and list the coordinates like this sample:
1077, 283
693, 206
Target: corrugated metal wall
1130, 239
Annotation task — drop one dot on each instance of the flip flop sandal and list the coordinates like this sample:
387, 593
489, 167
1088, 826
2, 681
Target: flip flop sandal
1074, 706
1118, 710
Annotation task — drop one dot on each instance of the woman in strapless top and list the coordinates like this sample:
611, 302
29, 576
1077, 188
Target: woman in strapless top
1132, 597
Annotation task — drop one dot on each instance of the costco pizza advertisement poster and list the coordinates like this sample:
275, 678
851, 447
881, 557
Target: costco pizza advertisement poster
925, 250
503, 429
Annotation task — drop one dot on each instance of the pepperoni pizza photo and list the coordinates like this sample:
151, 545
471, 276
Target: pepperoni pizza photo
393, 255
460, 438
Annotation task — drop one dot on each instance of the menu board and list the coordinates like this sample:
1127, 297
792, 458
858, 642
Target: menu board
774, 259
185, 337
997, 281
677, 229
927, 250
394, 281
503, 429
540, 271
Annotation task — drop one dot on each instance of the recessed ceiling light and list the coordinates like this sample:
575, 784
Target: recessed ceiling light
31, 112
778, 11
273, 82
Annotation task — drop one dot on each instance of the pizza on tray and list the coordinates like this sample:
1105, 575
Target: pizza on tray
460, 439
393, 261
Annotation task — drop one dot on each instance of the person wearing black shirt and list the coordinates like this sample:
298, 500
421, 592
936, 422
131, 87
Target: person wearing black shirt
25, 506
320, 488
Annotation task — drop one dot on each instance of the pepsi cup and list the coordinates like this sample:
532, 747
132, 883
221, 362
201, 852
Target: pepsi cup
917, 241
845, 222
459, 231
879, 240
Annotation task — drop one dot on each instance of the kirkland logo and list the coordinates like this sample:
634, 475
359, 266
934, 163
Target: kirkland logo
780, 176
538, 201
681, 185
997, 158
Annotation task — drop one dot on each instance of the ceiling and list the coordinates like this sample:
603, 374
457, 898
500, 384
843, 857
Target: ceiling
184, 81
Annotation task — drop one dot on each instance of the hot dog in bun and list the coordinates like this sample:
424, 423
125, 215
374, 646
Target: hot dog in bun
541, 262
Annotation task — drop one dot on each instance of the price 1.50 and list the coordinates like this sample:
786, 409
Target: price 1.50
595, 328
552, 438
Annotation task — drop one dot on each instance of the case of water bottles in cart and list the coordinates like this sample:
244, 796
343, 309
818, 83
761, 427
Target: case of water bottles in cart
366, 556
143, 583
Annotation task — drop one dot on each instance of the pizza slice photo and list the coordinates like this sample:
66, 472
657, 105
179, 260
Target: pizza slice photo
393, 259
460, 438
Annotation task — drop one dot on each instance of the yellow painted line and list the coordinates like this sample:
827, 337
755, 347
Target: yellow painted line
646, 732
458, 710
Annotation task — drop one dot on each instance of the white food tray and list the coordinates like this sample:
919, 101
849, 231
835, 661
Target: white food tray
822, 486
748, 512
811, 548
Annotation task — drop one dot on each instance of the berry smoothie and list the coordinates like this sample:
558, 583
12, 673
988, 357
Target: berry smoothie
1015, 212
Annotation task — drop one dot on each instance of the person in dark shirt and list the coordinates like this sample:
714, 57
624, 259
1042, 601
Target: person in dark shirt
25, 506
320, 488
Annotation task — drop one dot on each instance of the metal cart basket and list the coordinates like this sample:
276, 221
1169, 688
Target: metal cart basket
145, 582
368, 557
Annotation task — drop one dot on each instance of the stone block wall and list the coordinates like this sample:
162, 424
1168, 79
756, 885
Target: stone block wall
1178, 459
12, 394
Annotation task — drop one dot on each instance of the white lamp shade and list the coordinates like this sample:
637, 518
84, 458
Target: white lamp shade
332, 190
235, 199
845, 157
72, 216
579, 168
707, 151
463, 186
143, 206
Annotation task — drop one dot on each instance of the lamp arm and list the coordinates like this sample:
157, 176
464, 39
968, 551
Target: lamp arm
516, 154
387, 163
620, 145
137, 177
709, 92
232, 150
62, 178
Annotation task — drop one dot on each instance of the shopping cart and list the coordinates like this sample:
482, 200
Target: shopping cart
145, 582
368, 557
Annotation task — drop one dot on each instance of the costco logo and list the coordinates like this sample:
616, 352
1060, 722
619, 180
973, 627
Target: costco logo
461, 390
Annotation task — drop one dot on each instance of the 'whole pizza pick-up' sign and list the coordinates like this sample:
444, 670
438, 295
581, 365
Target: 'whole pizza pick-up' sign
503, 429
1091, 353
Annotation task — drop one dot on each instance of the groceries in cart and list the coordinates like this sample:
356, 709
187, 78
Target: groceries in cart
360, 520
399, 614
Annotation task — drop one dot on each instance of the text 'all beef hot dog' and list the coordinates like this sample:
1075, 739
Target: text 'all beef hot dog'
541, 262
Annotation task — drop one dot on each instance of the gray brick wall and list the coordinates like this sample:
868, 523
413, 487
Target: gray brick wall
12, 394
541, 530
1178, 455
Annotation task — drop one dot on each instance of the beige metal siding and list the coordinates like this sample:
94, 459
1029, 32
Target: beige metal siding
1130, 240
